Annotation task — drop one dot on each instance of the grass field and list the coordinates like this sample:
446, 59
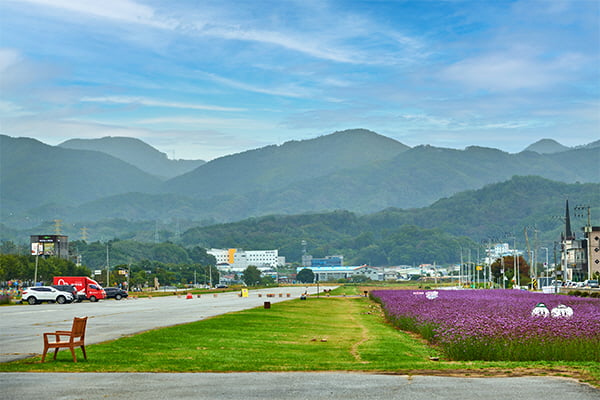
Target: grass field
324, 334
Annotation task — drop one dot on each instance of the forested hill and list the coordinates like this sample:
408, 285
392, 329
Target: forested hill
35, 175
137, 153
496, 212
414, 178
546, 146
355, 170
273, 167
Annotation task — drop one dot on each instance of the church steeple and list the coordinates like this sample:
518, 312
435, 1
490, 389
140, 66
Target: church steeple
568, 232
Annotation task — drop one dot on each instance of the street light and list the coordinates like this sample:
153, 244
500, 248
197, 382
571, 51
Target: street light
531, 267
545, 248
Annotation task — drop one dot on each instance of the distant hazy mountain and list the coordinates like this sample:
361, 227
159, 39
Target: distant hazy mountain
33, 174
273, 167
416, 178
497, 212
546, 146
356, 170
136, 152
592, 145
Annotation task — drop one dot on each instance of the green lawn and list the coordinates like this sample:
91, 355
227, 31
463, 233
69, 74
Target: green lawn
324, 334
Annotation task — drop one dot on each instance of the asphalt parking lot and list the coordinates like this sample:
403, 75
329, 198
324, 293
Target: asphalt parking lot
286, 385
22, 327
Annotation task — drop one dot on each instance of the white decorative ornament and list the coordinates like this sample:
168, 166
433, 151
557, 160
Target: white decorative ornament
562, 311
540, 310
432, 295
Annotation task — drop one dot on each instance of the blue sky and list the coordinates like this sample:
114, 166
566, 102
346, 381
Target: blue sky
203, 79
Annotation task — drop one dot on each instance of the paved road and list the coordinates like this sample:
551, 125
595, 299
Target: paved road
286, 385
22, 327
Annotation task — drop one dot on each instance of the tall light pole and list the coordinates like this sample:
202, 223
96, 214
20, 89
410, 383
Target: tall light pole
460, 269
518, 272
36, 249
515, 267
107, 268
532, 267
545, 248
37, 255
469, 268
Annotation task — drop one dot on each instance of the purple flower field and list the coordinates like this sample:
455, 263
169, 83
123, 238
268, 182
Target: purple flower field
498, 324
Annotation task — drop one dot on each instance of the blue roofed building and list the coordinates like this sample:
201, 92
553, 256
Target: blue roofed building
333, 273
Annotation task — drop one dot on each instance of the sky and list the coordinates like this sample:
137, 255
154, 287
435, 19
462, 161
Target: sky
204, 79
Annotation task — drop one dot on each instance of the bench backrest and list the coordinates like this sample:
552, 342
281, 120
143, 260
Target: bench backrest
78, 329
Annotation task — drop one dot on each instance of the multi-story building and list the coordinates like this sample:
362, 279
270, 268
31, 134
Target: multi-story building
237, 260
333, 273
580, 258
329, 261
592, 237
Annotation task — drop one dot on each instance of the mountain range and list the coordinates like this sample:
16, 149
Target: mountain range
136, 153
85, 181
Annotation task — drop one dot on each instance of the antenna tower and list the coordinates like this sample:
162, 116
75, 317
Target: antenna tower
84, 234
57, 226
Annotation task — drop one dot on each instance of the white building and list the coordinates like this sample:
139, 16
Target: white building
335, 273
237, 260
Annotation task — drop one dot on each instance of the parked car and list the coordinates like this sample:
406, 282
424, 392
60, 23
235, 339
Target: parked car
592, 283
77, 297
115, 293
37, 294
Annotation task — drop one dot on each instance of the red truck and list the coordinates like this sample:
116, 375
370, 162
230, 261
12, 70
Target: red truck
87, 288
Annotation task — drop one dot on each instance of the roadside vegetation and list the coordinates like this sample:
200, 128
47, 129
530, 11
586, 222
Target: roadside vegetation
329, 333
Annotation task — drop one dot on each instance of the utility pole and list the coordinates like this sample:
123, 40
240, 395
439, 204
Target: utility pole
461, 270
107, 268
588, 230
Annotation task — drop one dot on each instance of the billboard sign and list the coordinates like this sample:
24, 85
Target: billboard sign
37, 249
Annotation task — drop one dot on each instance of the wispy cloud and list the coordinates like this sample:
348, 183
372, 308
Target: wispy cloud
125, 11
335, 43
512, 71
156, 103
305, 45
271, 71
288, 90
186, 122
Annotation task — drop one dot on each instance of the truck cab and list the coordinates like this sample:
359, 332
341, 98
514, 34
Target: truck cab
87, 288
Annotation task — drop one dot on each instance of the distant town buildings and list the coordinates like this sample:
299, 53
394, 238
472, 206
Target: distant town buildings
327, 262
334, 273
580, 258
237, 260
500, 250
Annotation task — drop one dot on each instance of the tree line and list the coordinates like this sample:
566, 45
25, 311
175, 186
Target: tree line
138, 264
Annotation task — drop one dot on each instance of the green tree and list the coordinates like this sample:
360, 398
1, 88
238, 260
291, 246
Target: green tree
267, 281
359, 279
200, 256
251, 276
306, 276
508, 263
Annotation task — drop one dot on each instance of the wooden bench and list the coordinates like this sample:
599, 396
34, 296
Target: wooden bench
67, 339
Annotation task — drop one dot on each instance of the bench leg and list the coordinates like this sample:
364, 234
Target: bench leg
73, 353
